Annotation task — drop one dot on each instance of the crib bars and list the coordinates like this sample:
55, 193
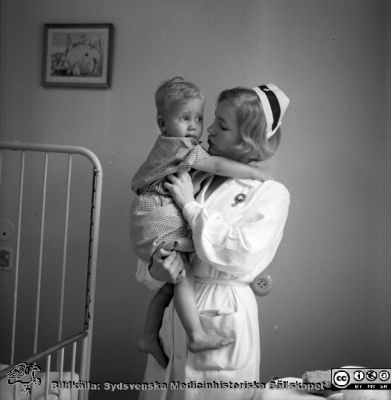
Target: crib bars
84, 336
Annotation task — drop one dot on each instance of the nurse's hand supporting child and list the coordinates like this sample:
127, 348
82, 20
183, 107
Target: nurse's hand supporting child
167, 266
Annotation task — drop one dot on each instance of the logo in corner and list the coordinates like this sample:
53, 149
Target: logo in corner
26, 374
340, 379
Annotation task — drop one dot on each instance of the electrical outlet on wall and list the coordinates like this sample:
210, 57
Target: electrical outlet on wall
6, 229
5, 258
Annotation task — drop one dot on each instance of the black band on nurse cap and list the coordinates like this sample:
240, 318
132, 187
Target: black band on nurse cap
274, 104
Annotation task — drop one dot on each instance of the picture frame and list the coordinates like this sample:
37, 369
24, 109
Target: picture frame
77, 55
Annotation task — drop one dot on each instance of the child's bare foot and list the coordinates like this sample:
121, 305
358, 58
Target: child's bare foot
151, 344
203, 341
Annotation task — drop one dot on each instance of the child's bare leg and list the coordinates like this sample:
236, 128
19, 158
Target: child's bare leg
186, 308
150, 342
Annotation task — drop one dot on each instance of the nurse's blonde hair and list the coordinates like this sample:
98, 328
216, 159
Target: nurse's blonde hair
254, 145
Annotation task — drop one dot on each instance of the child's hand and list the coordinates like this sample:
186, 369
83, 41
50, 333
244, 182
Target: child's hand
181, 188
261, 174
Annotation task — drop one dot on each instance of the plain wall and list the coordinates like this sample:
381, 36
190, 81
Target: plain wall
331, 274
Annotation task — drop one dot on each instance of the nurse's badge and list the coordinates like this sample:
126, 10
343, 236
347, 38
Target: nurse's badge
239, 198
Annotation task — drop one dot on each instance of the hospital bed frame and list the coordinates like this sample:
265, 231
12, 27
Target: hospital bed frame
79, 343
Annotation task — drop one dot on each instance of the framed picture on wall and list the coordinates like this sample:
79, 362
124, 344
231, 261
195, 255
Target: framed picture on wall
77, 55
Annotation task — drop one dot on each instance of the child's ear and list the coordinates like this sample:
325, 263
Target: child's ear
161, 123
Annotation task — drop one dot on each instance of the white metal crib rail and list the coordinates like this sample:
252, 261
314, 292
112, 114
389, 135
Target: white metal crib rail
84, 336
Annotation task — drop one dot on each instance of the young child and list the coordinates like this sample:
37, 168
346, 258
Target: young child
157, 222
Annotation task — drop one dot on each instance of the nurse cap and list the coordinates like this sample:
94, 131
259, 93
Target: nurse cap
274, 102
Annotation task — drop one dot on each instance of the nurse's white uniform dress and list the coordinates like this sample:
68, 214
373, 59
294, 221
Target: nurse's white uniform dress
234, 241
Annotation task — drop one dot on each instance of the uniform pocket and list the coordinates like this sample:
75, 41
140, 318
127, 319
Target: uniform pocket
230, 324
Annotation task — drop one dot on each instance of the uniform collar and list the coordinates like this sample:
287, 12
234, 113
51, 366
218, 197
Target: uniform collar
247, 182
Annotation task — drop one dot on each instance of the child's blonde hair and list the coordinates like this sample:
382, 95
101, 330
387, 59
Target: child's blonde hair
173, 91
251, 121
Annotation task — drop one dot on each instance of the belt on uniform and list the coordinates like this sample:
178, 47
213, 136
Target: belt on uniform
224, 282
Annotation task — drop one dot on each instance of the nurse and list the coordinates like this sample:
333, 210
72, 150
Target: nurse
237, 226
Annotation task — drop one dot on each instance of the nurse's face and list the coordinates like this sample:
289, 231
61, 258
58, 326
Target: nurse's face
224, 135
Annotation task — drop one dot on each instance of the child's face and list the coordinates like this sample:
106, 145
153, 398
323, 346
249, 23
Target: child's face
184, 119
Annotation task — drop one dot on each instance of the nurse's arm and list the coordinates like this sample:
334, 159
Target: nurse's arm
240, 247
